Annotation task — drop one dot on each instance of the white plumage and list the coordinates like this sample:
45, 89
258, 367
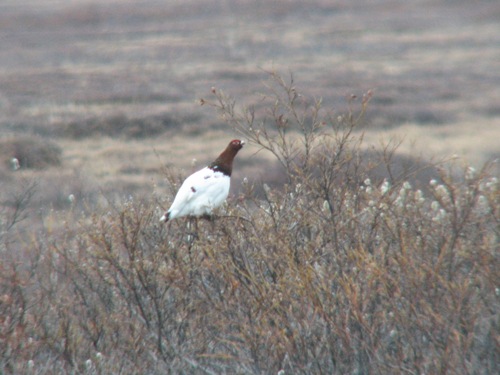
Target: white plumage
199, 194
206, 189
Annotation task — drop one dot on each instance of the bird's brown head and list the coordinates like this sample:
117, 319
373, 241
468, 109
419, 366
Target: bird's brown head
236, 145
224, 162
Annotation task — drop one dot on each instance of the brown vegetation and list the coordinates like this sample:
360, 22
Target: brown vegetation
332, 273
30, 152
117, 126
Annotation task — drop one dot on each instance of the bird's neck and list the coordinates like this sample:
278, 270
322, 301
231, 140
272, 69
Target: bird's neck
224, 162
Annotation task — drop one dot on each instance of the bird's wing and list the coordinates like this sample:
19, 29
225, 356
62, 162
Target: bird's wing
200, 186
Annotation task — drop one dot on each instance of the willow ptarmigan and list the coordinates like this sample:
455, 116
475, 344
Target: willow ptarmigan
207, 188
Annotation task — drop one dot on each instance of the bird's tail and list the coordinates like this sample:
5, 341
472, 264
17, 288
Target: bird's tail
165, 217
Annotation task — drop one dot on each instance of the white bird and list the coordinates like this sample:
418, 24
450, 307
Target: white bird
207, 188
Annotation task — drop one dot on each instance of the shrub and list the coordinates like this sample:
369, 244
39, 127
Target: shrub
330, 274
30, 152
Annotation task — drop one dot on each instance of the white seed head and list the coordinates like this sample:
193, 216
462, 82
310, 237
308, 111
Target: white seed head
442, 191
383, 206
435, 206
326, 206
88, 364
399, 202
492, 184
470, 173
419, 196
14, 164
440, 215
402, 193
384, 188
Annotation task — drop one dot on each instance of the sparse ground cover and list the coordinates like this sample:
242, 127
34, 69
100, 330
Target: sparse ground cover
322, 269
102, 80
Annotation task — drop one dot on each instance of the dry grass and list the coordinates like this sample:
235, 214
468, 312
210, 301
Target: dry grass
466, 140
332, 273
117, 126
315, 265
107, 73
30, 153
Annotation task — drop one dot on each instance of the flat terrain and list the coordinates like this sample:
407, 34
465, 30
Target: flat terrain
70, 69
335, 272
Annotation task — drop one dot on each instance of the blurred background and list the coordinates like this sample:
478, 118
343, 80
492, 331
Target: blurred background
101, 95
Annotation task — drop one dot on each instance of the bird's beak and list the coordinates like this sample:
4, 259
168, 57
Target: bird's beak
242, 143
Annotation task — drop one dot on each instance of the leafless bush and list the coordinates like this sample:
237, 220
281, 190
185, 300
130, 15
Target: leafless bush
330, 274
30, 152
